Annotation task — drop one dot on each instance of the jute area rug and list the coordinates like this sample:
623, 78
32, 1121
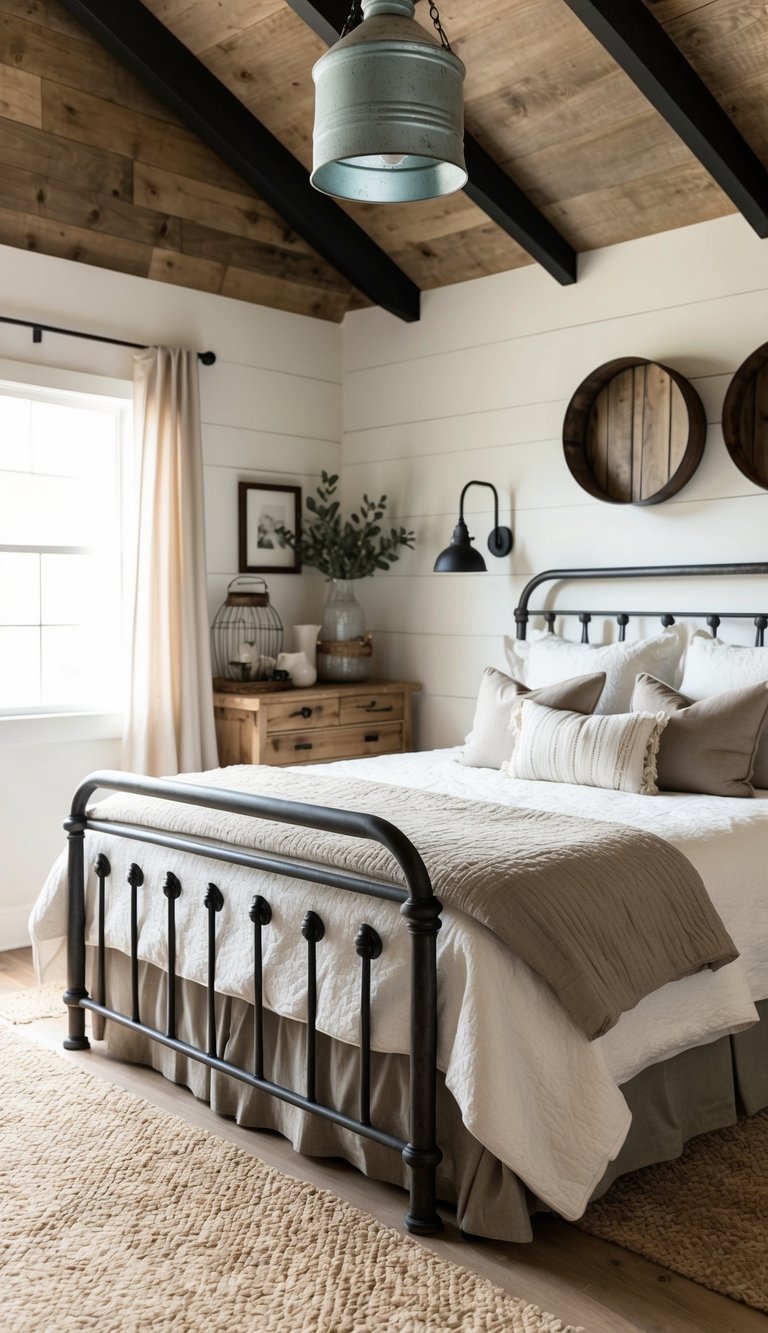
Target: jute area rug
27, 1006
704, 1215
116, 1216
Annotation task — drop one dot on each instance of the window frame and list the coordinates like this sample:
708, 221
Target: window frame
53, 384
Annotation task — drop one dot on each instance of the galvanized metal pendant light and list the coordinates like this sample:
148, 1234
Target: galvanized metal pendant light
389, 114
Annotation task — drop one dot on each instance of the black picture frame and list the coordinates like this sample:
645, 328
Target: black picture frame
263, 506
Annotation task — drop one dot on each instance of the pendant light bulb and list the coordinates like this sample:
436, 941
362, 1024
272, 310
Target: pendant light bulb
389, 113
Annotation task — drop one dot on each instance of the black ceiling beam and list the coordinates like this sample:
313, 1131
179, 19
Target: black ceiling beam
488, 186
644, 50
206, 106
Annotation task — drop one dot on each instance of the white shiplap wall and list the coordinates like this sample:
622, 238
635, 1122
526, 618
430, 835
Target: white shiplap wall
478, 388
271, 410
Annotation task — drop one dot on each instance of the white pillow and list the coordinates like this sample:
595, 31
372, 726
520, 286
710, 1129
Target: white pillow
548, 659
618, 752
711, 666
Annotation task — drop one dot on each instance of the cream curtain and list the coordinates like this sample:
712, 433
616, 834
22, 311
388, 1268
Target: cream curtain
169, 725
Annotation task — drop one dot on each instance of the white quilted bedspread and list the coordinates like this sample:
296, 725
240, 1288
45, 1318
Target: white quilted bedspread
530, 1086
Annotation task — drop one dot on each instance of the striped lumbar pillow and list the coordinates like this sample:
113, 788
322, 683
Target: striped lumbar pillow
618, 751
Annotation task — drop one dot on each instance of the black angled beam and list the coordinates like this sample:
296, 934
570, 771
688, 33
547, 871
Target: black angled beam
643, 49
206, 106
488, 186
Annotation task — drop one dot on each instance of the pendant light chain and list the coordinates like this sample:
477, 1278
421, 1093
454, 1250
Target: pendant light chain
434, 14
355, 17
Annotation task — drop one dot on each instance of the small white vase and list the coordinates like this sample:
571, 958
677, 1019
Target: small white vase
305, 641
300, 670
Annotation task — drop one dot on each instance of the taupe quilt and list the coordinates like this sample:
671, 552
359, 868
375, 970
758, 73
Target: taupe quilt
605, 914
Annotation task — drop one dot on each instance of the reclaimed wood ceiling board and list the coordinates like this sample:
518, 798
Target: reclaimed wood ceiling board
542, 96
93, 167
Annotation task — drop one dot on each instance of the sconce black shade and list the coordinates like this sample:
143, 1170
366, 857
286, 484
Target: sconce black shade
461, 557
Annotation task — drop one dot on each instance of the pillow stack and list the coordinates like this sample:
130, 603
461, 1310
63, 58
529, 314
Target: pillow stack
489, 743
710, 736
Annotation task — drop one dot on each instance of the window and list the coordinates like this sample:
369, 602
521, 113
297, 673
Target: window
60, 551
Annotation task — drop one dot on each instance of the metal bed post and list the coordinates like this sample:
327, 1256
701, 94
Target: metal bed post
76, 991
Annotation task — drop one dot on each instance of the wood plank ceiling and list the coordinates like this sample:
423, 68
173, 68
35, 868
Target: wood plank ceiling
95, 169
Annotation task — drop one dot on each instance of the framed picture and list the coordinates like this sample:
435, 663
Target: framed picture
262, 509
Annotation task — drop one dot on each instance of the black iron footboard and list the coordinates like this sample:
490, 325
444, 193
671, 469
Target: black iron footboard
419, 907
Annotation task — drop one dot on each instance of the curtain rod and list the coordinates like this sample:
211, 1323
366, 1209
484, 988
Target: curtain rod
38, 329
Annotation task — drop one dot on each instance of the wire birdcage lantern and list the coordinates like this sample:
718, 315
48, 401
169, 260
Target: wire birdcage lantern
247, 632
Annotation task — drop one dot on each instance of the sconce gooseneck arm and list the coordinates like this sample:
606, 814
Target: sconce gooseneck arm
491, 487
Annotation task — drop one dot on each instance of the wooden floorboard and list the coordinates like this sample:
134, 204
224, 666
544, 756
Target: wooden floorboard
580, 1278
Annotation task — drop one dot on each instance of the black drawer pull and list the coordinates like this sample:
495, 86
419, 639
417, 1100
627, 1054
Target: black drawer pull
302, 712
303, 745
371, 708
371, 736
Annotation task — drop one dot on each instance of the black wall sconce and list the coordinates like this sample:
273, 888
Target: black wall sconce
461, 557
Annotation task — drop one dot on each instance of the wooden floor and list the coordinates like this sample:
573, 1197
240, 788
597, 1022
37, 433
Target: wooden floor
583, 1280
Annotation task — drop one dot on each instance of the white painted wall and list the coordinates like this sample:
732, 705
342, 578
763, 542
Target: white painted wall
271, 411
479, 387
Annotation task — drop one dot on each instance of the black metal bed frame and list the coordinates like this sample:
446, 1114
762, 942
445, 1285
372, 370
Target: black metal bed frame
523, 611
418, 905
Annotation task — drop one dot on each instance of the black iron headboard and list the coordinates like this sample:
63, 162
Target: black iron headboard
524, 611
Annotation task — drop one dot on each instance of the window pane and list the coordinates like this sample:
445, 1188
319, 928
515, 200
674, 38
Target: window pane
78, 668
19, 589
77, 590
19, 668
42, 511
15, 440
70, 441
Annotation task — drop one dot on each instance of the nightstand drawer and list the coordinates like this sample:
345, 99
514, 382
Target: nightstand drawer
310, 747
293, 715
376, 707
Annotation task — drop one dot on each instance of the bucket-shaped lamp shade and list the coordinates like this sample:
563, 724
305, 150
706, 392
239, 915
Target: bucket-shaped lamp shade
389, 114
460, 557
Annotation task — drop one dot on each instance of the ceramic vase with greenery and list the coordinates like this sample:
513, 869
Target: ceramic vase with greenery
345, 549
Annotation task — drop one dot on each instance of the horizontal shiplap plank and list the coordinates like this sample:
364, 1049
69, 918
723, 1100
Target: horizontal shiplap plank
290, 403
245, 447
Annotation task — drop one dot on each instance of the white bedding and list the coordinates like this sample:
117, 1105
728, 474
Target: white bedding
530, 1086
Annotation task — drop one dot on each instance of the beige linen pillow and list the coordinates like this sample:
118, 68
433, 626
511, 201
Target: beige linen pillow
546, 659
708, 746
711, 666
617, 751
489, 743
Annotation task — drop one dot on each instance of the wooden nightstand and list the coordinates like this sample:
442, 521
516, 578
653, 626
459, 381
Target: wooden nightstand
328, 721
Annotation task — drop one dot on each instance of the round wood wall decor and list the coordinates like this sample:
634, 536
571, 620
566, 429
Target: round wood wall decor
745, 417
634, 432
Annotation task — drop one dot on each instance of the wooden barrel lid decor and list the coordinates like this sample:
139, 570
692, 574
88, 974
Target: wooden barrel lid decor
745, 417
634, 432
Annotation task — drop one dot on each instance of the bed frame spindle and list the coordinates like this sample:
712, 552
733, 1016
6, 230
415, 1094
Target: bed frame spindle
102, 869
214, 902
260, 913
172, 891
135, 879
368, 945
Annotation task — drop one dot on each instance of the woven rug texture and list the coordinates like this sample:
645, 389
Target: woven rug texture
704, 1215
118, 1217
27, 1006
